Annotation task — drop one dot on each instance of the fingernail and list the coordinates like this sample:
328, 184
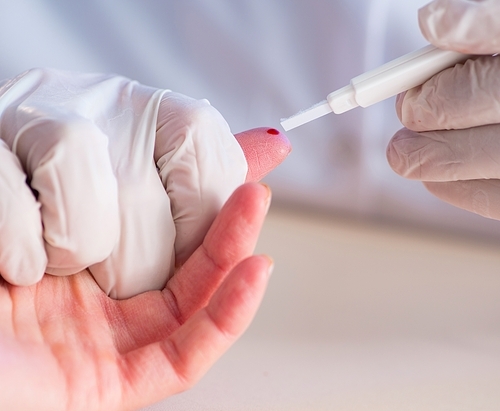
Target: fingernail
270, 267
268, 197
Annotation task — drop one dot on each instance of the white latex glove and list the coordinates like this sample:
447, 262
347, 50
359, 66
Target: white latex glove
468, 26
95, 150
452, 135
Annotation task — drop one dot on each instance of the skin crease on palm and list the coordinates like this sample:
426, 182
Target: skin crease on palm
65, 345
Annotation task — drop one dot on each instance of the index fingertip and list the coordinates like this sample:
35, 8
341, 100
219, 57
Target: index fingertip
264, 148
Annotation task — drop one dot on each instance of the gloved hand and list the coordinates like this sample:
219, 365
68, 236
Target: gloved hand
122, 178
452, 137
467, 26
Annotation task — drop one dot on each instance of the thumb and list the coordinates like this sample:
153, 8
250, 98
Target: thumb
471, 27
264, 148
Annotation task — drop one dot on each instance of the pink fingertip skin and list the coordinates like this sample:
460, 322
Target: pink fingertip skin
264, 148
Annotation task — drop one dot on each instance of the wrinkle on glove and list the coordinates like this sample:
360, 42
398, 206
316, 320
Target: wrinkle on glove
86, 143
470, 27
460, 167
452, 137
67, 163
200, 165
468, 154
466, 95
20, 225
481, 197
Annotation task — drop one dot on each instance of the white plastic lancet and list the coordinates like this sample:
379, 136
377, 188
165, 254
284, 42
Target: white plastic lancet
388, 80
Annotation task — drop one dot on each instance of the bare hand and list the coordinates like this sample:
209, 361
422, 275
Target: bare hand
65, 345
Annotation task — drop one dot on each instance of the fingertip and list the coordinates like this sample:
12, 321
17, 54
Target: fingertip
254, 271
469, 27
241, 294
268, 197
264, 148
397, 151
251, 196
269, 264
24, 272
259, 263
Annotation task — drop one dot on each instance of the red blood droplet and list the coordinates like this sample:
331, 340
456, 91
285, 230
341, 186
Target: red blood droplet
273, 131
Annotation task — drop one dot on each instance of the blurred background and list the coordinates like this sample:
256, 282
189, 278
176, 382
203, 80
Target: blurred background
383, 297
256, 61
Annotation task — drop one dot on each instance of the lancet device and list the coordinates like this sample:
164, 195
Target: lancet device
404, 73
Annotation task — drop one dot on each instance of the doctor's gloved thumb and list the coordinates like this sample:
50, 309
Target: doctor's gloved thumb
264, 149
470, 27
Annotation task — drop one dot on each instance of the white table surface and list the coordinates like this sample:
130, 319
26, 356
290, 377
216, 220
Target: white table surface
363, 317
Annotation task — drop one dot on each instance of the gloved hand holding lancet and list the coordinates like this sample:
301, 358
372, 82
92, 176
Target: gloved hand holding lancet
452, 137
122, 178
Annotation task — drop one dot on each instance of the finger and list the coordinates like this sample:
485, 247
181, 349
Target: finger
466, 95
264, 149
471, 27
22, 253
67, 162
143, 258
200, 165
452, 155
175, 364
478, 196
231, 238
